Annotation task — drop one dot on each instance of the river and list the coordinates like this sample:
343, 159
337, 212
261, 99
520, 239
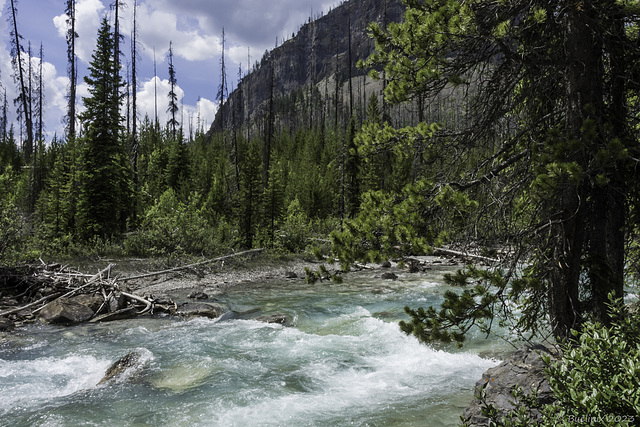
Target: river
342, 362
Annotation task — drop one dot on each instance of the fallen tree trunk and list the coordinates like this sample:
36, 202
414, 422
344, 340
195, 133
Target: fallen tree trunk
444, 251
185, 267
149, 304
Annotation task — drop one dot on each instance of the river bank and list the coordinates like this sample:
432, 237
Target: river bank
106, 290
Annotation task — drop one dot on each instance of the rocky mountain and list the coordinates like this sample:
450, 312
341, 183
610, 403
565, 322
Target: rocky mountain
317, 54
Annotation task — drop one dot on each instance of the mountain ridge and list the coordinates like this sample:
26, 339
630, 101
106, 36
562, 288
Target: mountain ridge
319, 51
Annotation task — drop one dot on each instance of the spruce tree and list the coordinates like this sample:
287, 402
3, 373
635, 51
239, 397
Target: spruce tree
173, 108
104, 191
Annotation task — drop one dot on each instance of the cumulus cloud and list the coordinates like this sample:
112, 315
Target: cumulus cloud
254, 23
154, 96
157, 28
89, 13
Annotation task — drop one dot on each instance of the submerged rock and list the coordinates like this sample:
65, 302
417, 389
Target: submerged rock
280, 319
524, 368
182, 377
130, 362
389, 276
65, 311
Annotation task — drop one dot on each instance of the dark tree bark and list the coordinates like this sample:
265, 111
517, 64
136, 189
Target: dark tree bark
71, 68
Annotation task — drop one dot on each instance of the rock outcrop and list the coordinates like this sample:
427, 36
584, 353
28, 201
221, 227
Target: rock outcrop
524, 368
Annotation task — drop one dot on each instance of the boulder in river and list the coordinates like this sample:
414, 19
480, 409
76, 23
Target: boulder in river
201, 309
93, 301
129, 363
280, 319
524, 368
388, 275
117, 301
65, 311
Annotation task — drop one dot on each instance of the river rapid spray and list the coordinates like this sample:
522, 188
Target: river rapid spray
343, 361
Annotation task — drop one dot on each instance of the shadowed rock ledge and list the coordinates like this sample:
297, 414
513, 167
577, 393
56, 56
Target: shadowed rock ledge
524, 368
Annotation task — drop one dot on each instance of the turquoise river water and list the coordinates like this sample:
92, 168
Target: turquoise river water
342, 362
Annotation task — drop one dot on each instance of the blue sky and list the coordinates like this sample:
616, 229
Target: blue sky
194, 27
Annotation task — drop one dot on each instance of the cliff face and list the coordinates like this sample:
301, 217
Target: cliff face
318, 50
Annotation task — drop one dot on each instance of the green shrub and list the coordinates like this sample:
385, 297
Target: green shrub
172, 227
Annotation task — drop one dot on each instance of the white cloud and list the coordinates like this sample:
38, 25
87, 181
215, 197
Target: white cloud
152, 96
206, 112
89, 13
158, 27
254, 23
155, 92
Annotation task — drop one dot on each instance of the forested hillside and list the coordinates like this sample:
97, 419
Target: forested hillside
278, 168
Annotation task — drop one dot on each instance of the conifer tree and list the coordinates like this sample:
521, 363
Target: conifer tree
4, 107
273, 200
134, 106
248, 204
173, 108
41, 99
223, 91
565, 173
103, 203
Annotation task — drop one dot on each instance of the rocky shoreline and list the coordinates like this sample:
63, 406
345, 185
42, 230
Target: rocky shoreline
52, 293
523, 369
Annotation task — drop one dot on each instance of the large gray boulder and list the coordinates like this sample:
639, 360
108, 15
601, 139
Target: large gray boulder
94, 302
524, 368
65, 311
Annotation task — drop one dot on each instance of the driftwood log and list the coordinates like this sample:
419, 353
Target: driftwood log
26, 291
